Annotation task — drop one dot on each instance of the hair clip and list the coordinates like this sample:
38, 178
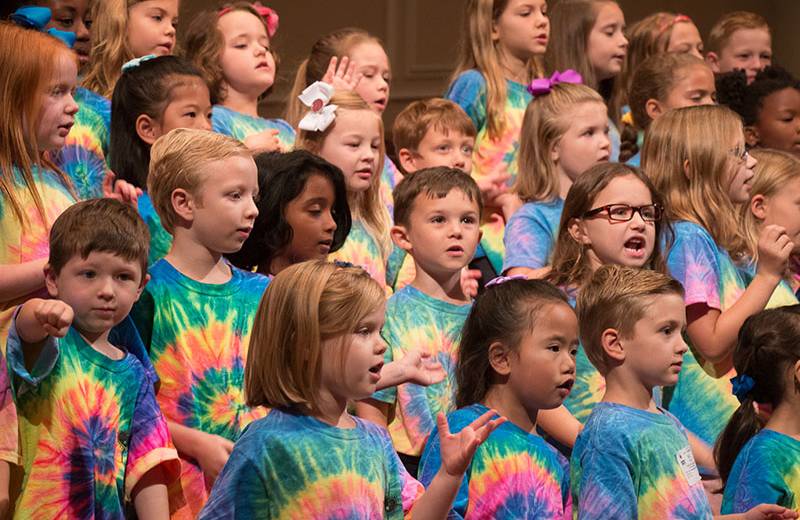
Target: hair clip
677, 19
316, 97
269, 16
135, 62
36, 18
742, 386
503, 279
341, 263
541, 86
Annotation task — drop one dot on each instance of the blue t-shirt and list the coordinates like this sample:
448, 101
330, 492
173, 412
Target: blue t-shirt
630, 463
531, 234
513, 474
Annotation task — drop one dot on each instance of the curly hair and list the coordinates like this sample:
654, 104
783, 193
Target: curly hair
748, 100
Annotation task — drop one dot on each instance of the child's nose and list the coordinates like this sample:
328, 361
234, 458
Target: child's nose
380, 345
330, 223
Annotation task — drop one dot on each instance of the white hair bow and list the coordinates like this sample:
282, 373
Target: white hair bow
316, 97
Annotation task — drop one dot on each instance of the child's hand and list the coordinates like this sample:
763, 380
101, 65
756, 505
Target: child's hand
122, 191
774, 248
768, 512
457, 449
54, 316
419, 368
469, 282
509, 203
213, 454
492, 187
266, 141
342, 75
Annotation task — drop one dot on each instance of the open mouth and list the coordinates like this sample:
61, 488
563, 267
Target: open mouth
375, 372
567, 385
455, 250
635, 246
381, 103
325, 245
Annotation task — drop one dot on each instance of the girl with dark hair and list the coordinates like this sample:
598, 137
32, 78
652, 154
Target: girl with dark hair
302, 213
152, 97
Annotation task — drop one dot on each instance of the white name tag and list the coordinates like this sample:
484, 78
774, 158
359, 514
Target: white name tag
688, 466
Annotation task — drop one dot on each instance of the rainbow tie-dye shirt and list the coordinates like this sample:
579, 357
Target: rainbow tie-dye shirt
390, 178
361, 249
531, 233
241, 126
84, 154
630, 463
766, 471
416, 321
198, 335
90, 428
160, 239
292, 466
492, 156
513, 474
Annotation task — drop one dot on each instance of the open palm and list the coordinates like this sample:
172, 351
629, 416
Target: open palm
457, 449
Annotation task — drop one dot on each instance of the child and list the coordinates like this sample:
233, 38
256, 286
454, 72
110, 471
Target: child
437, 216
197, 310
232, 48
660, 83
600, 25
769, 106
758, 462
302, 213
316, 345
740, 40
151, 98
503, 44
121, 30
565, 131
92, 434
633, 460
696, 157
70, 16
517, 356
353, 141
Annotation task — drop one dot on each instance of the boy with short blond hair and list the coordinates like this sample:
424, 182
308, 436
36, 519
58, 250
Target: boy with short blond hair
739, 40
437, 216
197, 311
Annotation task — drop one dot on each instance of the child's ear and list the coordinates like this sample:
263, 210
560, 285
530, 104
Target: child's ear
400, 237
499, 358
183, 204
654, 108
147, 129
145, 279
751, 136
713, 61
610, 341
687, 169
555, 151
577, 230
758, 206
407, 161
50, 281
796, 375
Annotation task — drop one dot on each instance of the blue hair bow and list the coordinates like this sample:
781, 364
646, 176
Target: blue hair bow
503, 279
135, 62
35, 17
742, 386
541, 86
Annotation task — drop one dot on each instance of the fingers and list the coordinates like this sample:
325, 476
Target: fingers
227, 445
483, 420
108, 183
441, 423
55, 317
328, 76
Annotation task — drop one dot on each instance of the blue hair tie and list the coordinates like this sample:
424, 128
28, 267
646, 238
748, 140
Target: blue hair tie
742, 386
341, 263
135, 62
37, 18
503, 279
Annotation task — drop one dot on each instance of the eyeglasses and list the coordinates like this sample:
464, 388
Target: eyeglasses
740, 153
624, 213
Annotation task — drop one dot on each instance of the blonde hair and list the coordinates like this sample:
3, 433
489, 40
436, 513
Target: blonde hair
478, 51
366, 206
337, 43
546, 120
617, 297
686, 153
110, 48
774, 170
29, 58
179, 159
722, 31
304, 305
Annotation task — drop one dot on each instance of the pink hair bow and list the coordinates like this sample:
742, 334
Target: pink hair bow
503, 279
269, 15
541, 86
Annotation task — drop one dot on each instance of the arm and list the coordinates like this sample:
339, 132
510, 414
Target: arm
38, 319
19, 280
210, 451
560, 425
763, 512
5, 471
702, 452
530, 274
150, 496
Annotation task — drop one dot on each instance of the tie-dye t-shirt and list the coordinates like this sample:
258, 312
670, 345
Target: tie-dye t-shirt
630, 463
160, 239
9, 433
766, 471
531, 234
513, 474
361, 249
390, 178
296, 467
241, 126
416, 321
491, 156
783, 294
198, 335
85, 152
90, 429
400, 269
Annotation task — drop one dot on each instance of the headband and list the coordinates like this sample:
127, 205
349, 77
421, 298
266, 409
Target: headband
34, 17
135, 62
503, 279
664, 27
269, 16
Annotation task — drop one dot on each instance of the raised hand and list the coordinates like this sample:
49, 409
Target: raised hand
120, 190
342, 74
774, 249
456, 450
54, 316
469, 282
420, 368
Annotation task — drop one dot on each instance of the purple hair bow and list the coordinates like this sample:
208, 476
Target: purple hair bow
503, 279
541, 86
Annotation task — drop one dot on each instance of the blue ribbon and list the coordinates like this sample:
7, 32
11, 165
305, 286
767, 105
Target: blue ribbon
135, 62
742, 386
37, 18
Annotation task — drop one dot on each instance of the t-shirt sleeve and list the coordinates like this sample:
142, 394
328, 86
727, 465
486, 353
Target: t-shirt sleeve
429, 465
9, 427
469, 92
606, 488
692, 260
240, 491
527, 240
149, 443
752, 485
44, 365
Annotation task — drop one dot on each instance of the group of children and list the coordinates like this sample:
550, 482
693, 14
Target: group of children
205, 313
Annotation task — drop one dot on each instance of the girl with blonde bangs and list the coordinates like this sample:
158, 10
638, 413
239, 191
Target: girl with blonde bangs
697, 159
354, 143
316, 345
564, 132
501, 52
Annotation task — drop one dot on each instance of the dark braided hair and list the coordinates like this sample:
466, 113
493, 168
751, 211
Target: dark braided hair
748, 100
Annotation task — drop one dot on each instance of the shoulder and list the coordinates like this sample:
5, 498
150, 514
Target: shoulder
468, 84
255, 281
